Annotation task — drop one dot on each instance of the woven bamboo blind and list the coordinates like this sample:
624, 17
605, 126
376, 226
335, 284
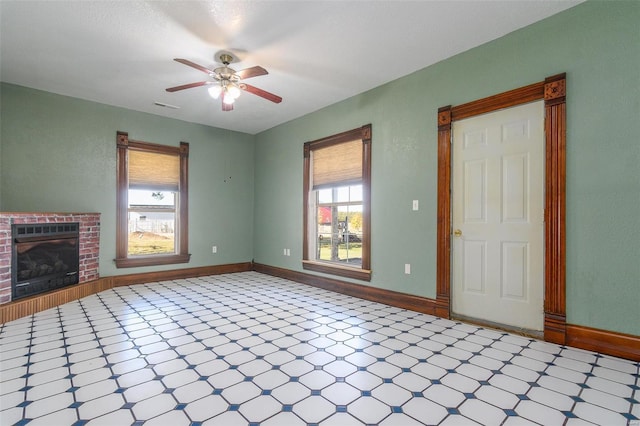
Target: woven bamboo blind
154, 171
338, 164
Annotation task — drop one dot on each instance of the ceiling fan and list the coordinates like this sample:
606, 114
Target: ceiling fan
227, 83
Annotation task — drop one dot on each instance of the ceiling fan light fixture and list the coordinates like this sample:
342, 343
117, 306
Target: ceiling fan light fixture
234, 91
227, 99
215, 91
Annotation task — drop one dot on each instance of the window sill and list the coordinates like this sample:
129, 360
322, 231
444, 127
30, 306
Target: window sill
343, 271
132, 262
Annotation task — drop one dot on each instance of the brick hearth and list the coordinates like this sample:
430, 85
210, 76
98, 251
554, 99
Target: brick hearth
89, 243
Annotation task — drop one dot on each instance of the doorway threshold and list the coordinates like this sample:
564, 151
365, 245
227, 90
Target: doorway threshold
534, 334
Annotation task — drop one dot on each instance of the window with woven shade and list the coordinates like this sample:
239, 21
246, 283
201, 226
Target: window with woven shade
152, 209
336, 211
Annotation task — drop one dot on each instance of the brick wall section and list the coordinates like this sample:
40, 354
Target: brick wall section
89, 243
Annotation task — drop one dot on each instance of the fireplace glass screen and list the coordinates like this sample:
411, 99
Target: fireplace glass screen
45, 257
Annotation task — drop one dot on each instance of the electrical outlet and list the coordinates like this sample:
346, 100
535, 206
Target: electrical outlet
214, 249
415, 205
288, 252
284, 252
407, 268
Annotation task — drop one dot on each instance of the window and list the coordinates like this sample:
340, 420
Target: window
337, 188
151, 203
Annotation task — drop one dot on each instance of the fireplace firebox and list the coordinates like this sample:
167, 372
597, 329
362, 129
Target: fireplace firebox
44, 257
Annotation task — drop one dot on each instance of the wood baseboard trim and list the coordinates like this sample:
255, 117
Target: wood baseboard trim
603, 341
41, 302
555, 328
176, 274
442, 307
388, 297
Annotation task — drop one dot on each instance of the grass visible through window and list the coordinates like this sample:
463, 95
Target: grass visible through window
351, 254
146, 243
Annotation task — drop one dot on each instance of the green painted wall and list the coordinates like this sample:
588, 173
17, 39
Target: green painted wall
59, 154
598, 45
257, 212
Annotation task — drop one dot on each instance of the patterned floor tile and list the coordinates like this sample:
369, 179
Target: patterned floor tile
251, 349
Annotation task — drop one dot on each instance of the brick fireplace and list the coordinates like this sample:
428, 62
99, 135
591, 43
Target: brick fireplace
89, 243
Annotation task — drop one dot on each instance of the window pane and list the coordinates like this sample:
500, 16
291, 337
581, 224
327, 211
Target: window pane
152, 223
355, 193
350, 225
152, 198
354, 223
349, 193
327, 234
325, 195
342, 194
339, 233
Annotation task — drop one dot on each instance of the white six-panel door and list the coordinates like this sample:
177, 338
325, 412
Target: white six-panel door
498, 217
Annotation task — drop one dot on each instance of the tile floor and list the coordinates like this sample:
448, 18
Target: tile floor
251, 349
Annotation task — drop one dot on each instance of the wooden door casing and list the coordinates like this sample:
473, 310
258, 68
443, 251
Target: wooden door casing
553, 91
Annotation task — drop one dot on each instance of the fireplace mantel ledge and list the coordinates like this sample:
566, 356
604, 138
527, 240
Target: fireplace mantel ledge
44, 213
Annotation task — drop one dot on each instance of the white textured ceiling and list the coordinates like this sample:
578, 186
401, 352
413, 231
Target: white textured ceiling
317, 52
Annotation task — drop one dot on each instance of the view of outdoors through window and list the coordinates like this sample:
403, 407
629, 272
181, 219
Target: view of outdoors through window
339, 230
152, 222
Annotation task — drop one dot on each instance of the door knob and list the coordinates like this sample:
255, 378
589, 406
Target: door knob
457, 233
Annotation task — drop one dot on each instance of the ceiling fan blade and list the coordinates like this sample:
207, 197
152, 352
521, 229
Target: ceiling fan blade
262, 93
251, 72
194, 65
188, 86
